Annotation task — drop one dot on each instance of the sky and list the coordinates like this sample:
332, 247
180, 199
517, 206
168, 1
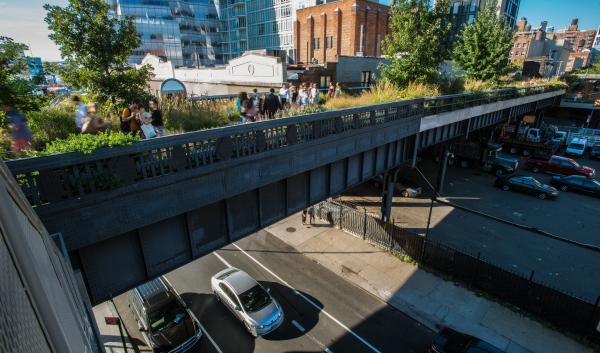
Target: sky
23, 20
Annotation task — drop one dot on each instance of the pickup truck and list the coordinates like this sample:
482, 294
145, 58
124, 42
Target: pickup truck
559, 165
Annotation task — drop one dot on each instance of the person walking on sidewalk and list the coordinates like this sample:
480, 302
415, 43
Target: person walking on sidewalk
304, 211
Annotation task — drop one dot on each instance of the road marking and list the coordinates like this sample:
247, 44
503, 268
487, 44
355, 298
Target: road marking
198, 321
308, 300
298, 326
222, 259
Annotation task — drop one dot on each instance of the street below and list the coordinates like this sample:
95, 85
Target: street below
323, 312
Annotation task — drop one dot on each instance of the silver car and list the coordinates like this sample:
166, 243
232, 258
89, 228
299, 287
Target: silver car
247, 300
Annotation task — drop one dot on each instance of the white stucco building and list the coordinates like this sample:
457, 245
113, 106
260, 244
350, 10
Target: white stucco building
251, 70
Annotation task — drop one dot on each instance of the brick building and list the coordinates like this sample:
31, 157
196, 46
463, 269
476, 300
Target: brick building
345, 27
581, 40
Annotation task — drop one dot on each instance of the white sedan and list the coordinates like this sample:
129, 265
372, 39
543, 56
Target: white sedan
247, 300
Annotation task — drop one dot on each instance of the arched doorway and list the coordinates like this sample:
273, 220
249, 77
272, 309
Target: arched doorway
173, 88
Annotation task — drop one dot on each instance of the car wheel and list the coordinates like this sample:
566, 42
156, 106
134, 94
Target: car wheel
564, 188
535, 169
526, 153
513, 150
404, 193
505, 187
542, 196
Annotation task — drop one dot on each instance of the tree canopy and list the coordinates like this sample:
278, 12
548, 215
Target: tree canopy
482, 48
15, 88
95, 45
417, 44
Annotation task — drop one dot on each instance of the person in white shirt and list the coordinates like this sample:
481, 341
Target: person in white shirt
80, 113
284, 95
314, 94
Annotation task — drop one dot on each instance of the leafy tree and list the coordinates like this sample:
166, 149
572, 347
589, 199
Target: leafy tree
95, 46
482, 48
15, 88
417, 44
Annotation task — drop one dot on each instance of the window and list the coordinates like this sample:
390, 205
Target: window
261, 28
316, 43
325, 81
366, 78
329, 42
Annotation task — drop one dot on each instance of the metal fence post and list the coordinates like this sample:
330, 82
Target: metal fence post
390, 232
365, 225
341, 209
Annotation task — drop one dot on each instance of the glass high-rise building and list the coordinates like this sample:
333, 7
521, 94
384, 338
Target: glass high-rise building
184, 32
259, 24
465, 11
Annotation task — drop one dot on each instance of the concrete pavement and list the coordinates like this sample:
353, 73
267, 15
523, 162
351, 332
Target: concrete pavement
114, 336
420, 294
323, 312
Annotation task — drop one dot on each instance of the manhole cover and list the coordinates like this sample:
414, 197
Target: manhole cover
290, 229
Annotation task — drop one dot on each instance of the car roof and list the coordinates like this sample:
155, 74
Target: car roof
154, 292
578, 140
562, 158
240, 281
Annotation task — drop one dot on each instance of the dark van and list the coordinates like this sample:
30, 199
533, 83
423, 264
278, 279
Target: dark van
163, 318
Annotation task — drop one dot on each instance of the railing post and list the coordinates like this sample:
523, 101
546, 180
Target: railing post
365, 225
341, 208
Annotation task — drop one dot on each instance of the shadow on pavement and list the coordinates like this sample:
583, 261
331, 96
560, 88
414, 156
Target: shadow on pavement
295, 309
220, 323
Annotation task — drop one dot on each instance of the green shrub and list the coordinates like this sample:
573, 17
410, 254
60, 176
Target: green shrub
452, 85
322, 98
184, 115
50, 124
86, 143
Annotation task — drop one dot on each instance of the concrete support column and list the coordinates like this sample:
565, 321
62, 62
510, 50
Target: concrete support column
442, 177
389, 184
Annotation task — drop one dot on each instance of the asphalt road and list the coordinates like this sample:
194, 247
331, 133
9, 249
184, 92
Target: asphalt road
323, 312
569, 268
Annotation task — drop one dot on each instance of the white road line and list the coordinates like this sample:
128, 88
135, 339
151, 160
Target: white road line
311, 302
222, 259
298, 326
198, 321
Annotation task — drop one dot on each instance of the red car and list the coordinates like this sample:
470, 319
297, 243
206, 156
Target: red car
559, 165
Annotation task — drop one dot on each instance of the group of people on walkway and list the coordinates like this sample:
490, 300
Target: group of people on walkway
256, 106
134, 119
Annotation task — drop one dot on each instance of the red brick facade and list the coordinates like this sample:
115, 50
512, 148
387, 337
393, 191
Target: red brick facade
325, 31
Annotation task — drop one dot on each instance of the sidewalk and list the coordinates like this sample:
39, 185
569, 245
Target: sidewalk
113, 336
421, 295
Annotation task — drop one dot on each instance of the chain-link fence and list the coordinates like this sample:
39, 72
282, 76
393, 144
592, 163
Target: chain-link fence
571, 313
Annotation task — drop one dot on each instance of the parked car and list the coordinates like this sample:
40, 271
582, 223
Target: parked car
247, 300
163, 318
576, 147
559, 165
403, 186
451, 341
577, 183
526, 184
595, 152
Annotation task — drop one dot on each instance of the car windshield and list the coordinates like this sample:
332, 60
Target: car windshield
534, 182
166, 315
255, 299
577, 146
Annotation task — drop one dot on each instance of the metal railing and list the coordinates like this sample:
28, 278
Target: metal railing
51, 179
448, 103
567, 311
54, 178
